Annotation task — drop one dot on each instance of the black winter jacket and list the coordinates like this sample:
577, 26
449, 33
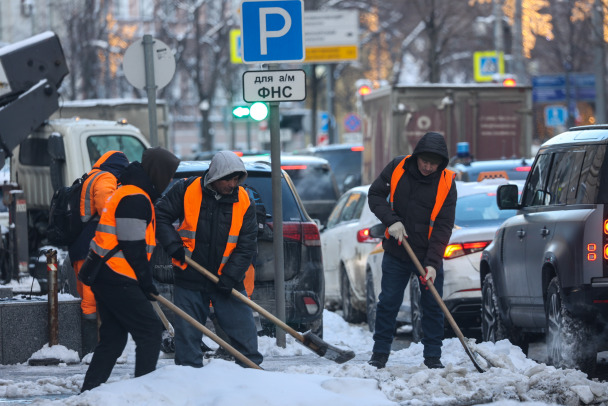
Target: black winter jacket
211, 235
413, 203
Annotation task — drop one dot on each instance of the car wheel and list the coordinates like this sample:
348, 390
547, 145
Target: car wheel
416, 309
569, 341
492, 326
370, 301
349, 313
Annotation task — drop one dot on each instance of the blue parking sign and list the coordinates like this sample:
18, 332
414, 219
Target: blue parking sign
272, 31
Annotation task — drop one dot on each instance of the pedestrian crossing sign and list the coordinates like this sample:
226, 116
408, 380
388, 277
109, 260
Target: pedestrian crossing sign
488, 65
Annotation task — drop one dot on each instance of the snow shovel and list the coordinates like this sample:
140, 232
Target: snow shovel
441, 304
308, 339
206, 331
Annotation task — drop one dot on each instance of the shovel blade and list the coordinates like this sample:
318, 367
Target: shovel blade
326, 350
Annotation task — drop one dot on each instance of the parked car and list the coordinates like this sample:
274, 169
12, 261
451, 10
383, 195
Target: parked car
303, 270
346, 243
513, 169
345, 161
476, 221
546, 272
314, 181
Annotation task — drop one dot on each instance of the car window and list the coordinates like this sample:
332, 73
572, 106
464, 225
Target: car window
98, 145
334, 217
535, 193
591, 187
351, 208
563, 180
312, 182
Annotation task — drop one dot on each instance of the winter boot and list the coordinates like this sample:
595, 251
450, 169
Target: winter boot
433, 362
378, 360
88, 333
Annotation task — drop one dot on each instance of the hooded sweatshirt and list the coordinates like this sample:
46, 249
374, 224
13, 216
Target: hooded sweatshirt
414, 200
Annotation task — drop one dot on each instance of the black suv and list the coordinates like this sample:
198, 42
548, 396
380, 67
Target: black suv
314, 181
304, 283
344, 159
546, 272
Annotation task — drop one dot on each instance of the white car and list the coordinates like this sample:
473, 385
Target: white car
476, 221
346, 243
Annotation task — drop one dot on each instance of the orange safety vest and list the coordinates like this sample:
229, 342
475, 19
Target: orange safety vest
105, 237
193, 199
445, 183
87, 206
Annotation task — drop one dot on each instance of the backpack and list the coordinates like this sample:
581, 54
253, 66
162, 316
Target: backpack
65, 224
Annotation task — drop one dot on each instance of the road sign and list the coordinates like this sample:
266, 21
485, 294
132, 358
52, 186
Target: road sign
133, 64
555, 116
274, 85
552, 88
272, 31
487, 64
331, 35
352, 123
235, 46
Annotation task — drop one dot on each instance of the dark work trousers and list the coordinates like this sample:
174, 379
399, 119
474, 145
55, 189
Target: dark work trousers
233, 316
395, 276
124, 309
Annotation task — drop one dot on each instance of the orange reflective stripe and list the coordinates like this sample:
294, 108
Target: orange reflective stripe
443, 188
105, 236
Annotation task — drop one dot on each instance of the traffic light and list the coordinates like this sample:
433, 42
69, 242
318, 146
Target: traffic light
258, 111
240, 111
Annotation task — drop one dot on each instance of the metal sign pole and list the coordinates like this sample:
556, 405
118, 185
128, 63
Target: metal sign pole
150, 88
277, 204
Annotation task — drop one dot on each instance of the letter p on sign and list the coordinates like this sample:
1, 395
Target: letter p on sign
272, 31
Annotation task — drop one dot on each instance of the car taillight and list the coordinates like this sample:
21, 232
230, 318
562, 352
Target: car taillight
306, 233
312, 307
523, 169
363, 236
457, 250
359, 148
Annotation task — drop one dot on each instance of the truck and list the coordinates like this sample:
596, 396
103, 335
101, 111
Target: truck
495, 121
44, 153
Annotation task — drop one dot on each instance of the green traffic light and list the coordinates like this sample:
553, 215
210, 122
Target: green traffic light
240, 111
258, 111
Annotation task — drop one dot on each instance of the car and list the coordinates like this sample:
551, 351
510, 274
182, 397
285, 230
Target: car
476, 221
345, 161
346, 243
208, 155
314, 181
303, 269
513, 169
546, 272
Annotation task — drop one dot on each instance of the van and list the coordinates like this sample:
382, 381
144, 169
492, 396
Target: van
546, 271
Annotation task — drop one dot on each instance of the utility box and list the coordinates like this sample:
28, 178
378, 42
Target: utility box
495, 120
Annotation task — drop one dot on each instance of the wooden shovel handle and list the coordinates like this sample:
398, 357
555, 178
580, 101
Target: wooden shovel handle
248, 301
206, 331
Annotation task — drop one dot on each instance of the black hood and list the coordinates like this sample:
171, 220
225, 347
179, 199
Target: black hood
160, 165
434, 143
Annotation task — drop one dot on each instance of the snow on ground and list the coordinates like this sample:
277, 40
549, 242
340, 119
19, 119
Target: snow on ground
296, 376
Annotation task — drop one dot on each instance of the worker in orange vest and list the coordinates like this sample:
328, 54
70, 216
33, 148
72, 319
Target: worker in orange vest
123, 288
99, 185
218, 230
415, 197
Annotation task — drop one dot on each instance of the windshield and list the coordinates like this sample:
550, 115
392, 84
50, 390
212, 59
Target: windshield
97, 145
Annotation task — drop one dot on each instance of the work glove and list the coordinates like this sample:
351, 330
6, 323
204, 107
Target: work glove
179, 254
397, 231
148, 287
431, 274
225, 284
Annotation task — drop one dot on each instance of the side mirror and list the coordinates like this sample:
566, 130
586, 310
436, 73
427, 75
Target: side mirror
506, 197
377, 231
56, 150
